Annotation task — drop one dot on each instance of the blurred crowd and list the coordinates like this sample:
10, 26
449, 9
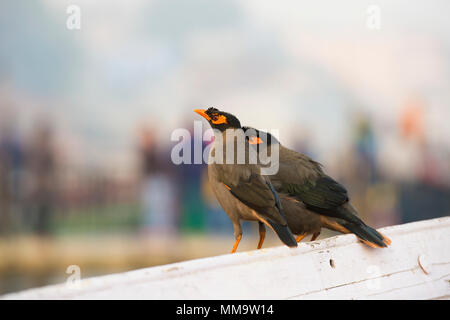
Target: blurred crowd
81, 166
27, 179
43, 193
401, 180
398, 180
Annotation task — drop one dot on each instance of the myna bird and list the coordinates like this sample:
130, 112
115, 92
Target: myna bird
241, 190
310, 198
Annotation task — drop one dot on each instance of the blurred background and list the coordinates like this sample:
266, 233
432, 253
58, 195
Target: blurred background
86, 118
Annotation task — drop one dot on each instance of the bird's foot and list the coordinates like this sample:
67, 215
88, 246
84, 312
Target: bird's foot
315, 235
262, 235
300, 237
236, 243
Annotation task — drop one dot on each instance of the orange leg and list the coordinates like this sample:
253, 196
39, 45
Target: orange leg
236, 243
261, 240
300, 237
262, 235
315, 235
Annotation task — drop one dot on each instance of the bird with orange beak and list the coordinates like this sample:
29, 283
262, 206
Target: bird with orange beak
311, 199
241, 190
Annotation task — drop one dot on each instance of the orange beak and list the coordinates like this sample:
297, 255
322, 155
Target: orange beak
202, 113
255, 140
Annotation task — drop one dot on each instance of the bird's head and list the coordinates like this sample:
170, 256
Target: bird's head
258, 137
218, 119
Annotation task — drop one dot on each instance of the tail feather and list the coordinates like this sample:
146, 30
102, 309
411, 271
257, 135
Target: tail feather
284, 233
368, 235
354, 224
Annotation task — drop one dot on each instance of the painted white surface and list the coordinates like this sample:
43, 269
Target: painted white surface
415, 266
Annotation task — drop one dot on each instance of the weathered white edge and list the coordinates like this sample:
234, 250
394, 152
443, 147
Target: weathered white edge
305, 272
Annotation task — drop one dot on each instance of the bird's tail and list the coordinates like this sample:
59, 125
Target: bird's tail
284, 233
353, 224
368, 235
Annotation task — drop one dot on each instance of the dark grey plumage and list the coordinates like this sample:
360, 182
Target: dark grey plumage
241, 190
311, 199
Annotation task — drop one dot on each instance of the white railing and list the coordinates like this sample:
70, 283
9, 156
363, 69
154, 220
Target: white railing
415, 266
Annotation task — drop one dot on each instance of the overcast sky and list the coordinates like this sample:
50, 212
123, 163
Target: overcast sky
297, 66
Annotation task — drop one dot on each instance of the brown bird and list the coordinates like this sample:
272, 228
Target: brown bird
241, 190
310, 198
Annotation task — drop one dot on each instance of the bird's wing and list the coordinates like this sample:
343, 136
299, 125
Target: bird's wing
252, 189
322, 192
303, 178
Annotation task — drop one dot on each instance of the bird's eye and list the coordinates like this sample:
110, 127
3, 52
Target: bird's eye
218, 119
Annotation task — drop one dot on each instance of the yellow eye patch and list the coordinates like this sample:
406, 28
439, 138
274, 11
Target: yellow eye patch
219, 119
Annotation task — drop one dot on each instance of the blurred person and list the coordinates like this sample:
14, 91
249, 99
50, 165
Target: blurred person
406, 165
157, 189
193, 206
424, 195
42, 176
365, 147
413, 131
11, 172
411, 121
358, 166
